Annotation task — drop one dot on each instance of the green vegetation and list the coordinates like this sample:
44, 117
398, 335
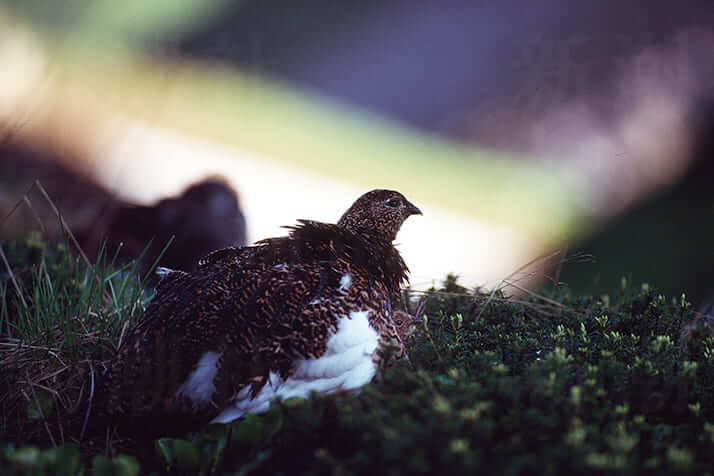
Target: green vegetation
59, 299
549, 385
60, 322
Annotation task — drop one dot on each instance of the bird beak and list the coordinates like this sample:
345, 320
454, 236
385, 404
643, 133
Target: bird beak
413, 210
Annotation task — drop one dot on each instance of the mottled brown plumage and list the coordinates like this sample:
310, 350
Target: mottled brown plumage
250, 320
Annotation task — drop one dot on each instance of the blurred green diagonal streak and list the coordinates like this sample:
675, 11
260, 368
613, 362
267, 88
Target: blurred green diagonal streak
132, 23
263, 116
260, 115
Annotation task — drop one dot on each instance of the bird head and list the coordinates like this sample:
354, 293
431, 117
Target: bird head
379, 213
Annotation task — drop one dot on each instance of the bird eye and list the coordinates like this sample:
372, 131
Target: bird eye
394, 203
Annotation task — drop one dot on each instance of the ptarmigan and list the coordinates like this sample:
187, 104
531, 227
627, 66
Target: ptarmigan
310, 311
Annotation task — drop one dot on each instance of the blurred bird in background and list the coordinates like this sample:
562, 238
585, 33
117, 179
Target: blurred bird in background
204, 217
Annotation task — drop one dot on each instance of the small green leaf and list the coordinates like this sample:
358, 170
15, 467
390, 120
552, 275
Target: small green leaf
250, 430
186, 454
63, 459
294, 402
27, 456
122, 465
101, 465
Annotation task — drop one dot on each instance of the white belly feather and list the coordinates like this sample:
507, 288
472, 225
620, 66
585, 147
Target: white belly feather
346, 364
199, 386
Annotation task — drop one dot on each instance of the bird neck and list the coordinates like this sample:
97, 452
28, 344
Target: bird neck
373, 251
372, 234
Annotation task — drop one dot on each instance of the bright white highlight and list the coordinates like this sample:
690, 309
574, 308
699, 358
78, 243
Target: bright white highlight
345, 281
